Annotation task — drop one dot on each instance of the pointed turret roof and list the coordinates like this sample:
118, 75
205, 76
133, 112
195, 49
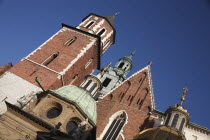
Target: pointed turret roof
129, 58
111, 18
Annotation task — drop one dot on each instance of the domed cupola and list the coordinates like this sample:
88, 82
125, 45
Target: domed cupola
160, 133
92, 84
177, 116
79, 97
176, 119
124, 65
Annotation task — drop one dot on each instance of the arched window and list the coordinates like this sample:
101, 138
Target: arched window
106, 82
88, 63
93, 87
50, 59
115, 127
168, 118
182, 124
71, 126
121, 65
101, 32
54, 111
70, 41
90, 24
88, 83
175, 120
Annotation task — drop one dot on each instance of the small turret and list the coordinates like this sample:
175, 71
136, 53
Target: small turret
101, 26
177, 116
124, 65
110, 77
176, 119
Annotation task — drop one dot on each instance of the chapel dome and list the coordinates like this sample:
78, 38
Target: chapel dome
160, 133
79, 97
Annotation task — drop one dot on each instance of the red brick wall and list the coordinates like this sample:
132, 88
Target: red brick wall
137, 114
134, 89
4, 68
28, 70
105, 25
106, 108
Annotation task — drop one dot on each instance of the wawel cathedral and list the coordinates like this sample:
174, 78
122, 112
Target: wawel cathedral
51, 94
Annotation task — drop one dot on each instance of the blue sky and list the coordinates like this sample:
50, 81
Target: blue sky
174, 35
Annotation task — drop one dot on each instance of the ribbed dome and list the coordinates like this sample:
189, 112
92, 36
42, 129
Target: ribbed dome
160, 133
128, 58
80, 98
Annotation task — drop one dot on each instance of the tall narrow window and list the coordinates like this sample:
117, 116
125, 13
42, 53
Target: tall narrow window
70, 41
129, 98
88, 83
175, 120
90, 24
140, 80
50, 59
101, 32
74, 78
168, 118
121, 65
120, 95
88, 63
182, 124
138, 101
106, 82
71, 126
106, 42
93, 87
115, 127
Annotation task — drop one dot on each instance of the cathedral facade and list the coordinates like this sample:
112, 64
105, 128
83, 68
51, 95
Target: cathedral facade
52, 94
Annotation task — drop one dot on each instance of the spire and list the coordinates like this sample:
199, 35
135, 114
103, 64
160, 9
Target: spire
183, 95
150, 63
111, 18
132, 54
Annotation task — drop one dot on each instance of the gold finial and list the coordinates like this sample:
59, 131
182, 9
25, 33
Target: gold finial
133, 53
107, 66
183, 95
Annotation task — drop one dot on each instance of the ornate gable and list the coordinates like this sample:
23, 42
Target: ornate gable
136, 91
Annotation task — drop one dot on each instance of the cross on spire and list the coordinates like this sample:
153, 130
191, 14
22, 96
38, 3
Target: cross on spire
133, 52
183, 95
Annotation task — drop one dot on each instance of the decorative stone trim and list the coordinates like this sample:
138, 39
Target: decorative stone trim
39, 48
110, 122
93, 41
147, 68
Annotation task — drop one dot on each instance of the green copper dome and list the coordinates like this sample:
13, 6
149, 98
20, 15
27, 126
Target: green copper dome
81, 98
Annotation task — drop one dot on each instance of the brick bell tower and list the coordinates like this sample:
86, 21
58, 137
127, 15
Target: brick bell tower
64, 59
